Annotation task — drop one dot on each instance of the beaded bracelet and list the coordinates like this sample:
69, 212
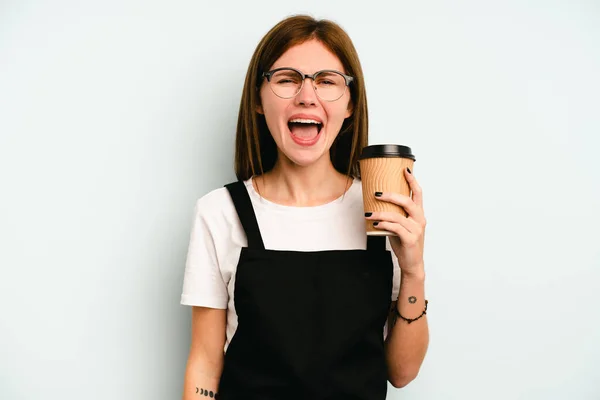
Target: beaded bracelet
414, 319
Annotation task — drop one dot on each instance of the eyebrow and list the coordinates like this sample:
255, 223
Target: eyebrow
286, 72
329, 72
324, 70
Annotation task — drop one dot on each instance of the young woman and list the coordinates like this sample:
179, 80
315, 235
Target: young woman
290, 297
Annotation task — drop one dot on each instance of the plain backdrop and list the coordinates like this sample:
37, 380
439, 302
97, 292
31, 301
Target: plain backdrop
115, 116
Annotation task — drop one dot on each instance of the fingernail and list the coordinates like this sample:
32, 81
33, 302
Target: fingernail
378, 194
409, 171
375, 223
368, 214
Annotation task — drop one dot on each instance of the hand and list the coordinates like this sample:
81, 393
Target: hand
408, 245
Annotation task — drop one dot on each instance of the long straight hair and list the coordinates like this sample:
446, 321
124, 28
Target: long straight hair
255, 149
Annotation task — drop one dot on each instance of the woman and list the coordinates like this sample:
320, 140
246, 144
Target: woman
280, 271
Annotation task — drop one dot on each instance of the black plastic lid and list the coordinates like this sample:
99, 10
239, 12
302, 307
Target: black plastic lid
387, 150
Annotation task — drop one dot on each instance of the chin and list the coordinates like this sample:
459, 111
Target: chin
305, 157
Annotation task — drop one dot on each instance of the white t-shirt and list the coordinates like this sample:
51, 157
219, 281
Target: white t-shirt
217, 238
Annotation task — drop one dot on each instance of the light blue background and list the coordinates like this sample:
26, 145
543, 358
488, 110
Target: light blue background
115, 116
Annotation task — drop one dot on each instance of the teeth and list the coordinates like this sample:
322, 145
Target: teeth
305, 121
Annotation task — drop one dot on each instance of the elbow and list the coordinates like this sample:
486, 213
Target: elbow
402, 380
399, 383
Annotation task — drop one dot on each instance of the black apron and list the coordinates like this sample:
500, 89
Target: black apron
310, 324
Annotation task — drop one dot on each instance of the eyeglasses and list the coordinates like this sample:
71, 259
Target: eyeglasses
330, 85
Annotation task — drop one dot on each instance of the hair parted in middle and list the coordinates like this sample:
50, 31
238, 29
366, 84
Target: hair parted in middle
255, 149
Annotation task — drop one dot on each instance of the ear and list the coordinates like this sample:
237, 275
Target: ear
259, 109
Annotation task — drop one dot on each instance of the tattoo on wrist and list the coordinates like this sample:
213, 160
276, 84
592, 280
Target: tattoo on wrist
412, 299
207, 393
411, 320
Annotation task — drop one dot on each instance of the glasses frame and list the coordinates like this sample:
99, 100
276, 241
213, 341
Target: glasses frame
347, 78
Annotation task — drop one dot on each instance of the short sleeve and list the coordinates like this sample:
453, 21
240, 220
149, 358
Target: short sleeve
396, 285
203, 283
396, 282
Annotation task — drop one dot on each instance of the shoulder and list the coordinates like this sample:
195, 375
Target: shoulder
355, 192
216, 220
216, 207
214, 196
214, 202
357, 186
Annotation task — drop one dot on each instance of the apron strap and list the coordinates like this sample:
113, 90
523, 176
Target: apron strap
376, 243
245, 211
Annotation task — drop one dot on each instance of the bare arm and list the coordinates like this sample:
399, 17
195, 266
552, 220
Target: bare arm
406, 344
205, 360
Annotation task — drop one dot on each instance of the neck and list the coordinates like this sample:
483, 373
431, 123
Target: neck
293, 185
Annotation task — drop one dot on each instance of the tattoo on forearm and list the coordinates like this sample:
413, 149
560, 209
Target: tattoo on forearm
207, 393
412, 299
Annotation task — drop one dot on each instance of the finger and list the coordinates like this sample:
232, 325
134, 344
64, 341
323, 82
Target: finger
417, 191
406, 202
409, 224
398, 229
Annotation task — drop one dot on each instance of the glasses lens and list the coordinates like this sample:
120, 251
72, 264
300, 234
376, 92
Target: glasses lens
330, 85
286, 83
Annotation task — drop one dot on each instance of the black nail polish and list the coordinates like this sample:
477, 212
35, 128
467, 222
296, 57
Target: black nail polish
378, 194
375, 223
368, 214
409, 171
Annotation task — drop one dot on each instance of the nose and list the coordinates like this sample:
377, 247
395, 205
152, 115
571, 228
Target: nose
308, 94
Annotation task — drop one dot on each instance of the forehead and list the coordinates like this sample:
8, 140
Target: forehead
309, 57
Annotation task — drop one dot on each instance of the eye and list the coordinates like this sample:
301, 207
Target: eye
329, 79
287, 81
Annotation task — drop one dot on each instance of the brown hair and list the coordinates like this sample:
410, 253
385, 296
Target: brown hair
255, 149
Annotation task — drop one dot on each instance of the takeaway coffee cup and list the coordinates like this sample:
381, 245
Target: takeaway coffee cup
382, 170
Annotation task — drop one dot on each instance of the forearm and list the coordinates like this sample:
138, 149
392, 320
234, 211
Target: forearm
201, 377
406, 344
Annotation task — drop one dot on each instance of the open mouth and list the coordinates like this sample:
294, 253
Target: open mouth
305, 130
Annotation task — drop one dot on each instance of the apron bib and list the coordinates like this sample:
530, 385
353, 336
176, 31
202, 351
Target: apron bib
310, 324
